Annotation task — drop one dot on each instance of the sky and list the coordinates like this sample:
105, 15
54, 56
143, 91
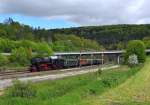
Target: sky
74, 13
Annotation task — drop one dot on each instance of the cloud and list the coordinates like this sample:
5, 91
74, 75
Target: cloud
84, 12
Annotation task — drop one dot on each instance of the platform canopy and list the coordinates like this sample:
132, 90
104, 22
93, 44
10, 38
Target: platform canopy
88, 53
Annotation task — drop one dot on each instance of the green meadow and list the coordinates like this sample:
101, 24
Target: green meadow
134, 91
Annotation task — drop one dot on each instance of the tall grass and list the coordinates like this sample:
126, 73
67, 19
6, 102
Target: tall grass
135, 91
22, 89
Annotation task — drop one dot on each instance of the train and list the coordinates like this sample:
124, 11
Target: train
76, 59
55, 63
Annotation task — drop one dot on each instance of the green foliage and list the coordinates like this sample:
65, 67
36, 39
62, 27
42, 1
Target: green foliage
120, 46
63, 46
43, 49
22, 51
146, 41
3, 60
136, 47
74, 43
91, 45
99, 72
28, 44
21, 89
20, 56
16, 31
136, 86
6, 45
107, 36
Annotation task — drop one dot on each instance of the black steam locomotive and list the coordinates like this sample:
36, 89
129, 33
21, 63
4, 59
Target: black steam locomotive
53, 63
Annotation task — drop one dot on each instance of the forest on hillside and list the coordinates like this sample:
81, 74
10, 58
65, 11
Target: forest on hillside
24, 42
11, 32
111, 37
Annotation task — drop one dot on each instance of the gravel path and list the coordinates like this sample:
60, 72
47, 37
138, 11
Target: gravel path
8, 82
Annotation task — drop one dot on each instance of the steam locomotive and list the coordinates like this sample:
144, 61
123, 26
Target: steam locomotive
54, 62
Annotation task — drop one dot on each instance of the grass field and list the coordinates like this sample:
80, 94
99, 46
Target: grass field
135, 91
73, 90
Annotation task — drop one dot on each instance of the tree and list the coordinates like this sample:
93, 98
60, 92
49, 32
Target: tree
136, 47
6, 45
146, 41
74, 43
3, 60
8, 21
20, 56
28, 44
44, 49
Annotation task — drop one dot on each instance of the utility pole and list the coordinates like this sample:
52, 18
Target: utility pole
102, 58
118, 59
80, 60
92, 59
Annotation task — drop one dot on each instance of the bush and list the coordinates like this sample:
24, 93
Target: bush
110, 82
3, 60
20, 56
99, 72
92, 91
136, 47
22, 89
133, 60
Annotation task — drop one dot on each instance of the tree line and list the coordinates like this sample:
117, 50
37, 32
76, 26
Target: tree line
111, 37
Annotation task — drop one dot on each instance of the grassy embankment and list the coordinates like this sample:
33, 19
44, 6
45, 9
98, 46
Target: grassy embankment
135, 91
73, 90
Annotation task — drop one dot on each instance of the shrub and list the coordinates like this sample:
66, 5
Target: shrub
136, 47
3, 60
92, 91
110, 82
22, 89
132, 60
20, 56
99, 72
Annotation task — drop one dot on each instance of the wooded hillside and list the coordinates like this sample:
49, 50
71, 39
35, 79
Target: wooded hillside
111, 37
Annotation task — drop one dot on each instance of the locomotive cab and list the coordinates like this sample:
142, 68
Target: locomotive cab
40, 64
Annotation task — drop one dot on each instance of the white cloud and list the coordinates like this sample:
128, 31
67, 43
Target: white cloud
84, 12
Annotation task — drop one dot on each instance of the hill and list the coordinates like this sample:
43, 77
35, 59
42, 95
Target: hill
110, 36
14, 31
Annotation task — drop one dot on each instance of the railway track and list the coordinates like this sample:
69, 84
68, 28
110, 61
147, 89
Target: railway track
7, 80
26, 73
12, 72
